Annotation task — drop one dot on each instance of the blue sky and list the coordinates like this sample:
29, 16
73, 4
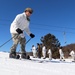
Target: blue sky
50, 16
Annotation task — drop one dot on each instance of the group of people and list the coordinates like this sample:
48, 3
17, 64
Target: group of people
40, 51
17, 29
72, 54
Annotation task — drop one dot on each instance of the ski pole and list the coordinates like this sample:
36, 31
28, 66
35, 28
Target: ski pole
28, 40
6, 42
10, 40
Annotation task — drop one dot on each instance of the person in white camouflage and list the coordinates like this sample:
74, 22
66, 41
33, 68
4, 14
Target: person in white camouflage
72, 54
17, 29
61, 54
50, 54
44, 51
34, 51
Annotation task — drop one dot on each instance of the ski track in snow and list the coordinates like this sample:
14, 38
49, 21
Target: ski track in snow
18, 67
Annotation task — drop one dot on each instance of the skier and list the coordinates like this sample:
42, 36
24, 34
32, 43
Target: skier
50, 54
34, 51
61, 54
44, 51
39, 50
72, 53
17, 29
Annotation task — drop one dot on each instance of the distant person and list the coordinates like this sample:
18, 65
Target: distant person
61, 54
38, 50
50, 54
17, 29
44, 51
34, 51
72, 53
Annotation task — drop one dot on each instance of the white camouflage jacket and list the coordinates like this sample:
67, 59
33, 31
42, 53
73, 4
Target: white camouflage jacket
20, 22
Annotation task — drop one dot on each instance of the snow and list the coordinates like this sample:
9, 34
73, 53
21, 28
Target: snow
19, 67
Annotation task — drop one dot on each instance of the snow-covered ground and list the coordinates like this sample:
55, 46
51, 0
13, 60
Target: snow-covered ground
20, 67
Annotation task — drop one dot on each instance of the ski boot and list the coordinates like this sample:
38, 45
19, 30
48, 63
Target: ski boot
13, 55
23, 55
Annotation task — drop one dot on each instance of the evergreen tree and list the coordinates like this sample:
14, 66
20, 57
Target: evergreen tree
51, 42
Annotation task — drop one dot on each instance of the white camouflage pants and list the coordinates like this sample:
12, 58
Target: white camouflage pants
34, 54
18, 39
61, 56
73, 57
50, 56
44, 54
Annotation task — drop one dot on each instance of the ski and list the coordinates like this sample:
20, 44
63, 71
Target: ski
41, 60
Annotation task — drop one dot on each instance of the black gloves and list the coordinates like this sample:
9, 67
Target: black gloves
32, 35
19, 31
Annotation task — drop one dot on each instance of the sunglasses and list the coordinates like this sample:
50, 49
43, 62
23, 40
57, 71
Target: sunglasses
30, 12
